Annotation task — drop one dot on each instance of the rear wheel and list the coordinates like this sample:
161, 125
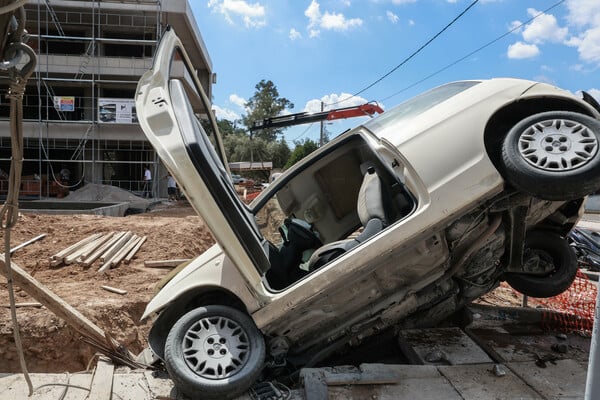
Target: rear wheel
554, 155
214, 352
550, 263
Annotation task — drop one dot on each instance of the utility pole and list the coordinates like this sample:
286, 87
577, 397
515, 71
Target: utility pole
322, 136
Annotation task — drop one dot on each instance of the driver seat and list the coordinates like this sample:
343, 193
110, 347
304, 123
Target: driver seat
372, 205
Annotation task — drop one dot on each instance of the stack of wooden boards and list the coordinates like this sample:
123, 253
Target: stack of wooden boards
110, 248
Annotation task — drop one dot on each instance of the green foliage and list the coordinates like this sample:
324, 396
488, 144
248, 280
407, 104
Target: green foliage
227, 128
302, 149
265, 103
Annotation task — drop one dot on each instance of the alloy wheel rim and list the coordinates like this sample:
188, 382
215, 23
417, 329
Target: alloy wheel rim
216, 347
558, 145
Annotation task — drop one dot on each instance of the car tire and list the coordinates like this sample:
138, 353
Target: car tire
552, 249
554, 155
214, 352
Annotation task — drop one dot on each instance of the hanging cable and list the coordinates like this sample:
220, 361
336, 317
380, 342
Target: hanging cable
488, 44
9, 212
413, 54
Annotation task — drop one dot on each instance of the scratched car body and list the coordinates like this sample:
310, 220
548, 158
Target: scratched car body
396, 223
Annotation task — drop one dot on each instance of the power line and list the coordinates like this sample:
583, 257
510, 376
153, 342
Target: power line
414, 53
517, 27
303, 133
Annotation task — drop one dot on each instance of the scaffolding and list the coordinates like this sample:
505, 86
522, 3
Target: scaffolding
78, 109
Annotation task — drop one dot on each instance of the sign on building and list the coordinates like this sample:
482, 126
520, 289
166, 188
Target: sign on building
64, 103
117, 111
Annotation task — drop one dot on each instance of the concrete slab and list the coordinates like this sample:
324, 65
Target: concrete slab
478, 382
46, 386
131, 386
559, 380
530, 343
422, 382
444, 346
592, 204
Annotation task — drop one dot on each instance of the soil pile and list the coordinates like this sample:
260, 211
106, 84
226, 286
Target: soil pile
173, 231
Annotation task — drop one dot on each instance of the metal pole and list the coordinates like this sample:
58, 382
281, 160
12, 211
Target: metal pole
592, 386
321, 138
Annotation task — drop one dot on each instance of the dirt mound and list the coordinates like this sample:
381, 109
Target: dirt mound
107, 193
173, 231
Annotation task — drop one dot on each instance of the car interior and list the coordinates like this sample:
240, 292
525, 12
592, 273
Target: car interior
341, 200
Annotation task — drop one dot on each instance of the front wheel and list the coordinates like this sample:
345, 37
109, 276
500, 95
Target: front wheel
551, 266
214, 352
554, 155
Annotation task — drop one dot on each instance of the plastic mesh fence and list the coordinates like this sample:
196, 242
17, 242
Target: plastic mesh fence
572, 310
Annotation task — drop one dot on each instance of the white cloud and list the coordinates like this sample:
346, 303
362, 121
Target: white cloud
334, 99
583, 12
516, 25
253, 15
411, 22
589, 46
327, 21
313, 13
403, 1
451, 1
295, 35
338, 22
238, 101
543, 28
522, 50
225, 113
595, 93
392, 17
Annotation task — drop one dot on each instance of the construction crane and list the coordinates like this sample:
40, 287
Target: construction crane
307, 118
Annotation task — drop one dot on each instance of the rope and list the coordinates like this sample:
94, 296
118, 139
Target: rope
10, 210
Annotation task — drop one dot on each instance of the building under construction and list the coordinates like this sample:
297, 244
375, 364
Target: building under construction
79, 110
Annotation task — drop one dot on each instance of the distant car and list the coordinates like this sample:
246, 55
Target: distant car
397, 223
237, 179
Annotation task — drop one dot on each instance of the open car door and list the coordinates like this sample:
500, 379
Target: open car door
168, 100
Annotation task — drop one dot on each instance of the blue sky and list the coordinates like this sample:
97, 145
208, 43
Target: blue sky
328, 50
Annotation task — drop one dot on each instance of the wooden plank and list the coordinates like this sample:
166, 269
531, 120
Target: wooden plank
134, 250
77, 254
27, 243
63, 253
114, 290
95, 255
116, 259
85, 253
102, 382
54, 303
113, 250
165, 263
20, 305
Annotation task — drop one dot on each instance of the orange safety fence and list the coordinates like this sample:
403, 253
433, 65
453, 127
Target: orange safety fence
573, 310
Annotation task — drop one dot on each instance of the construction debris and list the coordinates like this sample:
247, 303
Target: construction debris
165, 263
110, 248
27, 243
114, 290
22, 305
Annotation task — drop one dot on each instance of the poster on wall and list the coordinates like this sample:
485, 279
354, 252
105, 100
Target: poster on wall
117, 111
64, 103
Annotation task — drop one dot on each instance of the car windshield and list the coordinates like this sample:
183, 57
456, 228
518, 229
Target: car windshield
419, 104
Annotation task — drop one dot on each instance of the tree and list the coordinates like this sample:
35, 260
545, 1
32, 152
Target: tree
265, 103
278, 152
301, 150
227, 127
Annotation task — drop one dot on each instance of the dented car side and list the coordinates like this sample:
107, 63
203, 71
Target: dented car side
396, 223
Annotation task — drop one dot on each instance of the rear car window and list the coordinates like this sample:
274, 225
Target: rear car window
419, 104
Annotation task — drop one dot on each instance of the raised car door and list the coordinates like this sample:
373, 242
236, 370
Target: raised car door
169, 100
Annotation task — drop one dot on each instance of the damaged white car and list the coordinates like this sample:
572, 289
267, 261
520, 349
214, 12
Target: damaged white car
397, 223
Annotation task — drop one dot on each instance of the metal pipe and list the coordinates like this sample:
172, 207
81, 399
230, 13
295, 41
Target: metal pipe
592, 385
